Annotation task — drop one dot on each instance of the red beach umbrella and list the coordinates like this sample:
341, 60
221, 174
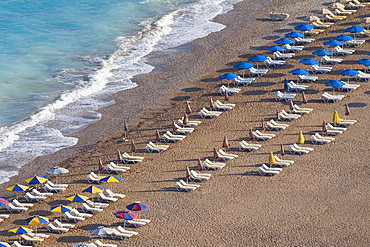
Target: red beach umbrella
215, 154
3, 202
100, 165
125, 214
200, 166
324, 127
225, 143
137, 206
188, 175
347, 112
226, 96
133, 146
185, 120
304, 99
211, 105
264, 127
158, 136
119, 156
174, 127
251, 136
188, 109
282, 151
291, 106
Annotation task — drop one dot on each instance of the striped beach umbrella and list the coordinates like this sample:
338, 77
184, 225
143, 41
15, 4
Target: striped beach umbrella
77, 198
111, 179
93, 189
17, 188
3, 202
4, 244
125, 214
36, 179
20, 230
102, 231
60, 209
37, 220
137, 206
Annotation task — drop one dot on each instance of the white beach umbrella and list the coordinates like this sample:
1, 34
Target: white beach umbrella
57, 170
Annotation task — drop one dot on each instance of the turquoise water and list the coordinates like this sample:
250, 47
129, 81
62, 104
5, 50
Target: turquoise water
59, 59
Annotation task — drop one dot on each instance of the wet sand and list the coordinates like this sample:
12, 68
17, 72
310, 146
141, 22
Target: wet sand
320, 200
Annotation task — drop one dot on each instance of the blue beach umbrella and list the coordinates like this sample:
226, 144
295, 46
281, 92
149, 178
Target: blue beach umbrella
309, 61
36, 179
111, 179
284, 41
333, 42
294, 34
3, 202
322, 52
4, 244
304, 27
334, 83
274, 48
343, 37
228, 76
354, 29
364, 61
349, 72
257, 58
286, 86
298, 71
242, 66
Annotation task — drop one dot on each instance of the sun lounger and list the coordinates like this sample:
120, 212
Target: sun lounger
319, 140
348, 87
102, 197
17, 244
209, 165
303, 41
283, 161
264, 172
362, 76
57, 223
269, 62
293, 48
169, 137
329, 97
20, 204
257, 72
191, 123
284, 56
12, 208
118, 234
342, 11
317, 69
262, 137
56, 185
314, 31
267, 168
300, 110
329, 15
224, 157
68, 217
353, 5
111, 167
194, 174
96, 204
180, 187
204, 113
283, 115
100, 244
282, 96
86, 208
52, 228
272, 125
354, 43
222, 152
91, 179
320, 24
329, 126
37, 235
328, 60
218, 105
244, 146
75, 212
230, 91
126, 158
182, 130
4, 216
295, 87
121, 229
31, 240
294, 150
35, 192
306, 78
55, 189
29, 197
137, 222
187, 184
151, 147
340, 51
110, 193
242, 81
302, 148
345, 122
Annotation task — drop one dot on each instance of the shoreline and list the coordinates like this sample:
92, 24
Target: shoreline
171, 89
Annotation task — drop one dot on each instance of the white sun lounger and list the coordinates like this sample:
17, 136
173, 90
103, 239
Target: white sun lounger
191, 123
293, 150
29, 197
300, 110
12, 208
303, 41
199, 176
111, 167
105, 198
272, 125
348, 87
269, 62
209, 165
180, 187
283, 115
96, 204
306, 78
317, 69
110, 193
329, 60
151, 147
98, 243
242, 81
295, 87
57, 223
35, 192
319, 139
218, 105
182, 130
329, 97
245, 146
17, 244
20, 204
257, 72
204, 113
284, 56
56, 185
267, 168
126, 158
69, 217
282, 96
53, 228
75, 212
86, 208
230, 91
188, 184
137, 222
261, 136
264, 172
55, 189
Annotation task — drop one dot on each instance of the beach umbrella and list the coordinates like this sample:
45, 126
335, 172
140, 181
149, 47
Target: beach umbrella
282, 151
228, 76
264, 127
133, 146
225, 143
77, 198
334, 83
36, 179
272, 159
57, 171
111, 179
333, 42
137, 206
200, 166
125, 128
93, 189
37, 220
188, 175
60, 209
298, 71
100, 165
346, 110
309, 61
125, 214
277, 114
304, 99
211, 104
343, 37
158, 136
20, 230
102, 231
226, 96
4, 244
286, 85
3, 202
17, 188
303, 27
354, 29
300, 138
185, 119
349, 72
363, 61
215, 154
336, 118
257, 58
322, 52
291, 105
242, 66
324, 127
188, 109
274, 48
284, 41
294, 34
251, 136
119, 156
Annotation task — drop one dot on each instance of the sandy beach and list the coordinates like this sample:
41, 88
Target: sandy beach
320, 200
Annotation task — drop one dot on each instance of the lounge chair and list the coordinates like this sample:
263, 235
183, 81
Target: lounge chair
137, 222
126, 158
86, 208
118, 234
4, 216
218, 105
112, 167
293, 150
57, 223
327, 97
199, 176
96, 204
12, 208
283, 96
224, 157
269, 62
180, 187
191, 123
348, 87
209, 165
300, 110
306, 78
283, 56
319, 139
320, 24
295, 87
331, 16
262, 137
56, 185
102, 197
267, 168
204, 113
222, 152
93, 179
264, 172
182, 130
328, 60
283, 115
230, 91
340, 51
317, 69
100, 244
283, 161
303, 41
257, 72
329, 126
188, 184
293, 48
354, 43
121, 229
75, 212
244, 146
353, 5
49, 188
31, 240
242, 81
345, 122
362, 76
110, 193
314, 31
343, 12
68, 217
151, 147
272, 125
37, 235
169, 137
17, 244
29, 197
53, 228
38, 193
20, 204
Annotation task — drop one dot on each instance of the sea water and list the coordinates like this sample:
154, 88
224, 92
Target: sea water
61, 59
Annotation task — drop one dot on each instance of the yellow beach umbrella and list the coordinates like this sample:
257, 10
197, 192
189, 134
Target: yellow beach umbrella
272, 159
77, 198
17, 188
336, 118
4, 244
93, 189
60, 209
37, 220
300, 138
20, 230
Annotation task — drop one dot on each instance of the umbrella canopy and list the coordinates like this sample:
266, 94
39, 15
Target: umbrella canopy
185, 119
215, 154
284, 41
93, 189
200, 166
4, 244
111, 179
336, 118
60, 209
137, 206
257, 58
309, 61
349, 72
20, 230
226, 96
272, 159
304, 27
286, 85
188, 175
225, 143
346, 110
333, 42
354, 29
282, 151
300, 138
100, 165
125, 214
102, 231
251, 136
158, 137
77, 198
133, 146
263, 126
365, 61
188, 109
274, 48
211, 104
228, 76
17, 188
37, 220
291, 105
125, 126
119, 156
324, 127
322, 52
334, 83
3, 202
57, 170
343, 37
243, 65
294, 34
304, 99
298, 71
36, 179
